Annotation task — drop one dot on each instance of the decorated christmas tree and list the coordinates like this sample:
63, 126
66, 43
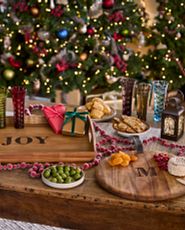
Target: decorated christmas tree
71, 44
166, 59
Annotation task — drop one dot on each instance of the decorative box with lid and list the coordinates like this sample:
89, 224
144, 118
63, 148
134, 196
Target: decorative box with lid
172, 124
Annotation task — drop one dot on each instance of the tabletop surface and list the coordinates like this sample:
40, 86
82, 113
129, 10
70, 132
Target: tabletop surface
19, 181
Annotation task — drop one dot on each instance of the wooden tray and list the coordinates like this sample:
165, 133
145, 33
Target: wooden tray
37, 142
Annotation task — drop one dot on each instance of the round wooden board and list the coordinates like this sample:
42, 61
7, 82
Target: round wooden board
141, 180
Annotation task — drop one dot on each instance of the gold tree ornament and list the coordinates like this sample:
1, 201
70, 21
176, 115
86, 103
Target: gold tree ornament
83, 56
30, 62
35, 11
8, 74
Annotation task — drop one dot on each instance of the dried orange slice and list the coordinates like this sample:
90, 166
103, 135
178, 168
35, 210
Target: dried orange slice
110, 162
125, 163
125, 157
121, 158
117, 161
133, 157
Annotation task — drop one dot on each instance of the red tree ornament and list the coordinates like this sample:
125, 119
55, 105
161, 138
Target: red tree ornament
108, 4
90, 31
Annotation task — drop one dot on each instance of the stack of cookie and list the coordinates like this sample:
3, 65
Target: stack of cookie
128, 124
97, 108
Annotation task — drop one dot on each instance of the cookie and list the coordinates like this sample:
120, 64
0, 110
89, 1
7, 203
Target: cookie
129, 124
98, 106
96, 114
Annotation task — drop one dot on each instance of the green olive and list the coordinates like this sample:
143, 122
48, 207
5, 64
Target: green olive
53, 167
67, 173
78, 170
60, 172
63, 175
47, 173
54, 173
54, 180
66, 168
68, 179
58, 176
60, 168
72, 172
60, 180
77, 176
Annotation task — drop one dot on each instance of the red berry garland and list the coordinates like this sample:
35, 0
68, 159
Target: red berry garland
105, 147
162, 160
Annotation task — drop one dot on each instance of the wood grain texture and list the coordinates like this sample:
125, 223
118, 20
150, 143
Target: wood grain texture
84, 207
33, 144
141, 180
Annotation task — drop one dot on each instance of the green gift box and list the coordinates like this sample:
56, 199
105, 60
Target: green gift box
75, 123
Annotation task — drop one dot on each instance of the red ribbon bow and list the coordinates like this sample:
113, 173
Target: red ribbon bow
117, 17
63, 66
57, 11
119, 63
21, 6
117, 36
39, 51
14, 63
55, 116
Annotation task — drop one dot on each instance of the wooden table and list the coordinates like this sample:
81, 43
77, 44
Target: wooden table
85, 207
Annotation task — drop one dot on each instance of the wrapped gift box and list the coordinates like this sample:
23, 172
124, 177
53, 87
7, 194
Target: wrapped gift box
55, 116
75, 123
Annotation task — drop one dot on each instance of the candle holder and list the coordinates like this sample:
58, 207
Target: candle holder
2, 107
127, 93
18, 97
160, 88
143, 92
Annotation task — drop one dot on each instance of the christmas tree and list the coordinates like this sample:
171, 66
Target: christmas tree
72, 44
166, 59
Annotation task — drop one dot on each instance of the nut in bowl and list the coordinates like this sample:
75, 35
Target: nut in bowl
129, 126
99, 110
63, 176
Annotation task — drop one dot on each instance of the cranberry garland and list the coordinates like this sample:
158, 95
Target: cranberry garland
181, 148
105, 147
162, 160
28, 111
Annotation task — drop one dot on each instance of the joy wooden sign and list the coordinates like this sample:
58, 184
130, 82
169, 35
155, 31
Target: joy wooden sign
41, 144
24, 140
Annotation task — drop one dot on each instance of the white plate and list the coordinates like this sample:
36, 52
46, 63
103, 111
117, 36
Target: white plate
104, 118
131, 134
63, 185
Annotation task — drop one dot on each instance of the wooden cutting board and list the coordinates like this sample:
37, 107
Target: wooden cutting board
141, 180
38, 143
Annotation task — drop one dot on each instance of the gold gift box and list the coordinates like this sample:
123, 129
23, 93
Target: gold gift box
80, 125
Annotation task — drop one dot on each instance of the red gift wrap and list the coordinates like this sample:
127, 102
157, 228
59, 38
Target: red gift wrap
55, 116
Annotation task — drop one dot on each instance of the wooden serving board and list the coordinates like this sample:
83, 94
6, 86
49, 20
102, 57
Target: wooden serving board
141, 180
37, 142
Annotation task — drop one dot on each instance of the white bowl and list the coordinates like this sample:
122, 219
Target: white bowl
63, 185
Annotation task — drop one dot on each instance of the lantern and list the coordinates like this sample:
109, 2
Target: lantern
172, 124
